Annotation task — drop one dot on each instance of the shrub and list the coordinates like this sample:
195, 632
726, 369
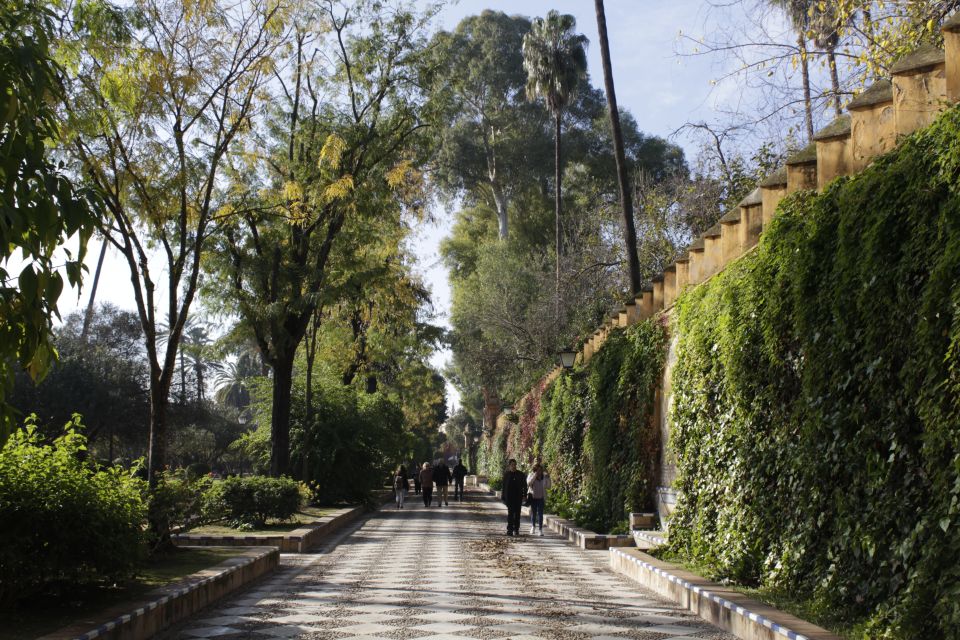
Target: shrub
248, 502
176, 504
63, 521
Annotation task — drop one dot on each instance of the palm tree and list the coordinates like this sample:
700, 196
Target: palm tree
826, 36
798, 11
626, 197
555, 59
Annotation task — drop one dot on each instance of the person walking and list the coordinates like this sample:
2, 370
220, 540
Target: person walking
416, 478
459, 473
537, 484
426, 483
401, 485
514, 489
441, 476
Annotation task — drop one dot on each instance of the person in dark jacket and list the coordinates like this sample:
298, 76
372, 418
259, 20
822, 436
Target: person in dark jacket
514, 489
441, 476
401, 485
416, 478
459, 473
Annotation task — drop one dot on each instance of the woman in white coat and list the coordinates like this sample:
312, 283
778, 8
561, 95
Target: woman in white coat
537, 484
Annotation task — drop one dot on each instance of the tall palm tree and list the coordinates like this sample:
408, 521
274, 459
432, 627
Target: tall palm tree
555, 59
826, 35
798, 11
626, 197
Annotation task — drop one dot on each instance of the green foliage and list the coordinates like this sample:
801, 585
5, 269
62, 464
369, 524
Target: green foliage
594, 431
62, 521
39, 207
176, 504
351, 445
816, 405
248, 502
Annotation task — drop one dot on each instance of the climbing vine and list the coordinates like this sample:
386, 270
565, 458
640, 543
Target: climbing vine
593, 429
816, 414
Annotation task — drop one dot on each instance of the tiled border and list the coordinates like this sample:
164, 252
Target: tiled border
170, 604
744, 617
295, 541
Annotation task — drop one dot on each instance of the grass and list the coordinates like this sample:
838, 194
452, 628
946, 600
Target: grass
302, 517
794, 604
46, 613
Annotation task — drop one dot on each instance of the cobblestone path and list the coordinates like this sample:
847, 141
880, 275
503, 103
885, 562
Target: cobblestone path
444, 574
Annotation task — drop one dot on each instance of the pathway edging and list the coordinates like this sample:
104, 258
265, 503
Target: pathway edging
169, 604
296, 541
731, 611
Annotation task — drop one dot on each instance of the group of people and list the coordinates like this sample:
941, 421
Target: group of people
424, 480
517, 488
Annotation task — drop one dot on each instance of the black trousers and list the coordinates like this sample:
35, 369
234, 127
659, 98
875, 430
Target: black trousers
513, 516
427, 495
458, 489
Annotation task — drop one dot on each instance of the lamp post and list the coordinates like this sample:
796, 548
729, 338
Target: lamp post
567, 358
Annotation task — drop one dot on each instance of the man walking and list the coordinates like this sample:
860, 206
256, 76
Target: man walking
441, 476
514, 488
459, 473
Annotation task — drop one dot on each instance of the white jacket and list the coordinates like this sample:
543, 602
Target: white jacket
538, 487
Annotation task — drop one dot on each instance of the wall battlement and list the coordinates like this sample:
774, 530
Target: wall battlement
922, 85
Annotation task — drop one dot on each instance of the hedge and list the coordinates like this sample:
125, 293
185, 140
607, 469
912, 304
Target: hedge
817, 399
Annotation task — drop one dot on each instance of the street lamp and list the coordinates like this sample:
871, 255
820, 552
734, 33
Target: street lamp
567, 358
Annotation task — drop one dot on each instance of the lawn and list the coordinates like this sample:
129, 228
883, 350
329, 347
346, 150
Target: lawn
302, 517
45, 613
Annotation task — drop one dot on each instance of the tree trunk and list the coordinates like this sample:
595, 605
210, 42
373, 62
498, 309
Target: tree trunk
626, 197
500, 200
557, 209
805, 73
280, 415
835, 82
88, 314
157, 451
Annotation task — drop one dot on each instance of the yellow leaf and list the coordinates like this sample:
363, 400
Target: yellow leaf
338, 189
332, 152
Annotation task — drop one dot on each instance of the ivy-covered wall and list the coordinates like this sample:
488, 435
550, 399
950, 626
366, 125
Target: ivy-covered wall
816, 408
593, 429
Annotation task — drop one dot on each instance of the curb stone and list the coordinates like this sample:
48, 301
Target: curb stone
166, 605
725, 608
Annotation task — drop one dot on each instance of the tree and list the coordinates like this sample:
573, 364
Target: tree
626, 199
334, 170
555, 59
798, 12
40, 210
489, 138
158, 94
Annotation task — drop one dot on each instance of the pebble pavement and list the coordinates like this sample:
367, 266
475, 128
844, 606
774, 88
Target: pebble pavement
444, 573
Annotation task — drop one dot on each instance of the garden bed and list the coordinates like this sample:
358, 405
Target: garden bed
303, 517
46, 613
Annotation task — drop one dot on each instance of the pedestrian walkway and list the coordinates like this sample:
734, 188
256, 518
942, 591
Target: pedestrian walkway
445, 573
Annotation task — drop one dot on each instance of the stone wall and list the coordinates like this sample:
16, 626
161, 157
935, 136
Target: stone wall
922, 85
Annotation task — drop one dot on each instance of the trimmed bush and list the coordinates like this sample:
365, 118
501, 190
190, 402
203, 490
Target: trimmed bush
63, 521
248, 502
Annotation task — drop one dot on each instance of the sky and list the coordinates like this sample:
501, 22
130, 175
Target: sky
661, 89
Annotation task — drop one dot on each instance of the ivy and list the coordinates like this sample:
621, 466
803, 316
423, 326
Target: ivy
816, 415
593, 429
